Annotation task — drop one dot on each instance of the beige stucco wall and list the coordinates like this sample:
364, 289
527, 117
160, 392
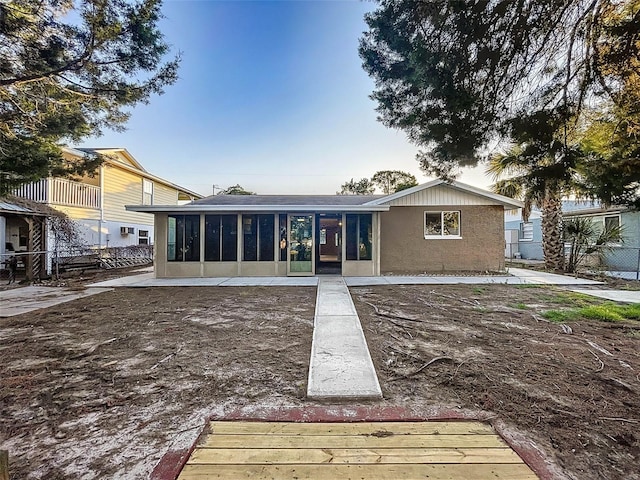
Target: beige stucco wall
403, 248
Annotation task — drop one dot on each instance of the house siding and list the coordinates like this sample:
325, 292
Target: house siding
123, 188
438, 196
78, 213
163, 194
403, 248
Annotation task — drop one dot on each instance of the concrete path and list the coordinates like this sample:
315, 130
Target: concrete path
340, 366
148, 280
27, 299
543, 278
625, 296
517, 276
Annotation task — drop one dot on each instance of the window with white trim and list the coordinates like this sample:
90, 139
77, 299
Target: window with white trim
526, 232
147, 192
143, 237
442, 224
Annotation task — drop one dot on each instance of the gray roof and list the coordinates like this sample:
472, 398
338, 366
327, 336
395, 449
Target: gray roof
286, 200
8, 207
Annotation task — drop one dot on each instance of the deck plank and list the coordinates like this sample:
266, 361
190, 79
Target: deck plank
351, 441
273, 456
333, 472
399, 428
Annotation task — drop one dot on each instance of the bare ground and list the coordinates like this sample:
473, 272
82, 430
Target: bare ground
575, 391
103, 386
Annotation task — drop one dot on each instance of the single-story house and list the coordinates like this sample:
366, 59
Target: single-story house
624, 256
524, 239
434, 227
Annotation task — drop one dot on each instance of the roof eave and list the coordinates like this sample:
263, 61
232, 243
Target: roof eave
256, 208
506, 202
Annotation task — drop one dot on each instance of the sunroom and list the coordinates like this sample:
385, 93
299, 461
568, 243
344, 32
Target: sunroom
264, 235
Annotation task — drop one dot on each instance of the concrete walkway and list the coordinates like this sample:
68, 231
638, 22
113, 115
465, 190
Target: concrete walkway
534, 277
517, 276
625, 296
340, 366
27, 299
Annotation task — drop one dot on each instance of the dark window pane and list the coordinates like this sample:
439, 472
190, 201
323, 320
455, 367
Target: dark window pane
611, 223
192, 238
364, 237
183, 238
352, 237
212, 236
265, 234
433, 223
283, 238
229, 238
250, 238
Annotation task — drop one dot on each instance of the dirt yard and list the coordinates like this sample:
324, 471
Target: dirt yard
102, 387
574, 390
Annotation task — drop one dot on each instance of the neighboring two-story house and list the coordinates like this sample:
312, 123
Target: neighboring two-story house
97, 202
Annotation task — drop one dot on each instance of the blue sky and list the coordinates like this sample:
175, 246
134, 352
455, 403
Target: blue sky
271, 95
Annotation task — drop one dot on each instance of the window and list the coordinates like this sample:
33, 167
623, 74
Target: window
221, 238
611, 222
143, 237
441, 224
183, 238
359, 236
258, 238
526, 232
147, 192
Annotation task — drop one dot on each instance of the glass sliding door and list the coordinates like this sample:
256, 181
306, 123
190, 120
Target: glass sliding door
301, 251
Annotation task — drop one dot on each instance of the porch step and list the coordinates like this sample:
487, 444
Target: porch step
341, 366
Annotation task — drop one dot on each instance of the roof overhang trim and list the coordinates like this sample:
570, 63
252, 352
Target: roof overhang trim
257, 208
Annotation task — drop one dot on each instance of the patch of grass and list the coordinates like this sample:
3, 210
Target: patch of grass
520, 306
479, 290
570, 299
528, 285
605, 312
560, 316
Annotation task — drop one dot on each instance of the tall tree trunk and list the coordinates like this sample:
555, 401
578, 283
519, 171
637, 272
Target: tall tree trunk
552, 245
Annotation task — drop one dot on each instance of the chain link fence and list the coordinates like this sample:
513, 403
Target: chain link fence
618, 261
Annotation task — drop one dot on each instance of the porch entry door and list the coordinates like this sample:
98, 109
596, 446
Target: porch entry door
301, 254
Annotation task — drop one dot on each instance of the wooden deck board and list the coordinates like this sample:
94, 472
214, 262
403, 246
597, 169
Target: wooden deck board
378, 472
373, 450
352, 441
271, 456
363, 428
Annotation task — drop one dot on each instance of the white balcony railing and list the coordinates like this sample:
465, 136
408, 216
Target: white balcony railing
60, 191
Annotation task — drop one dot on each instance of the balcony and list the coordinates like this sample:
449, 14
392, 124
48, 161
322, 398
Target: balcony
60, 191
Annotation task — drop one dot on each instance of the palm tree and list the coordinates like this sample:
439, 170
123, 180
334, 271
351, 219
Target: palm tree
586, 238
539, 169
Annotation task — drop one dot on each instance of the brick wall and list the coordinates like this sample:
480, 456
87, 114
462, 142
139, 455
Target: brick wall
403, 248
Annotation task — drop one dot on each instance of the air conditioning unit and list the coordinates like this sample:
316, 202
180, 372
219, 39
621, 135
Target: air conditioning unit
127, 230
